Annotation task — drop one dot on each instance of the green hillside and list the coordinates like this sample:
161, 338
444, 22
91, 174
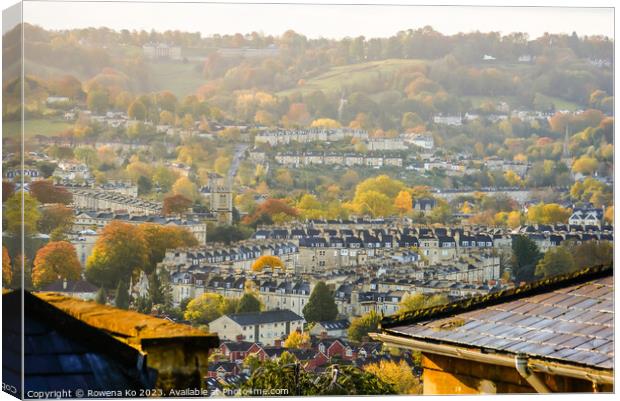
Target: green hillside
180, 79
35, 127
350, 75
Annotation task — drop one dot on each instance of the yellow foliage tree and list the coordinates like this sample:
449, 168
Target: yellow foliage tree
310, 207
514, 220
264, 261
297, 339
548, 213
399, 375
374, 203
609, 215
513, 178
183, 186
325, 123
403, 202
585, 165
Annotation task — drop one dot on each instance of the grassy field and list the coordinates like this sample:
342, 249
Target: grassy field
350, 75
35, 127
560, 104
180, 79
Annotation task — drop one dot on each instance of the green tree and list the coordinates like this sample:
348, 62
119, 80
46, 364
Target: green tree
101, 297
97, 101
121, 300
15, 221
137, 110
525, 257
249, 303
591, 253
321, 306
361, 326
421, 301
556, 261
285, 373
205, 309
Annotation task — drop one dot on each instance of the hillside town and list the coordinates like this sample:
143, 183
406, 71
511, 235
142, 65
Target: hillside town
433, 226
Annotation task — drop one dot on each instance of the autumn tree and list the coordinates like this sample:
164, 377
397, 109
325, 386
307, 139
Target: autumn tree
403, 202
585, 165
557, 260
373, 203
7, 270
325, 123
609, 215
160, 238
549, 213
176, 204
55, 261
206, 308
46, 192
56, 219
297, 339
310, 207
398, 374
267, 261
8, 189
270, 211
119, 251
186, 188
321, 305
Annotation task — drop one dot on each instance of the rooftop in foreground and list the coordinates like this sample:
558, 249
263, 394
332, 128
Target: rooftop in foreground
565, 321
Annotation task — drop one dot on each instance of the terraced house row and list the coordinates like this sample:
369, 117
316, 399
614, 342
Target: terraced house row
337, 159
355, 294
283, 137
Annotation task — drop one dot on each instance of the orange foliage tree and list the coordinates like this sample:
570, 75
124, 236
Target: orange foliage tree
119, 251
176, 204
160, 238
46, 192
7, 271
272, 262
271, 210
56, 260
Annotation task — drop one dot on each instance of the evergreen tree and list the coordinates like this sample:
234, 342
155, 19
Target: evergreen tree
321, 306
122, 296
144, 305
248, 303
525, 256
101, 297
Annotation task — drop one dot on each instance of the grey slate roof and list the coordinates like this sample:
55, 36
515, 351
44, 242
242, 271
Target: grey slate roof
272, 316
64, 353
571, 323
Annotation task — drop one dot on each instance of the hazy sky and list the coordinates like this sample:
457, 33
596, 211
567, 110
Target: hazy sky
331, 21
